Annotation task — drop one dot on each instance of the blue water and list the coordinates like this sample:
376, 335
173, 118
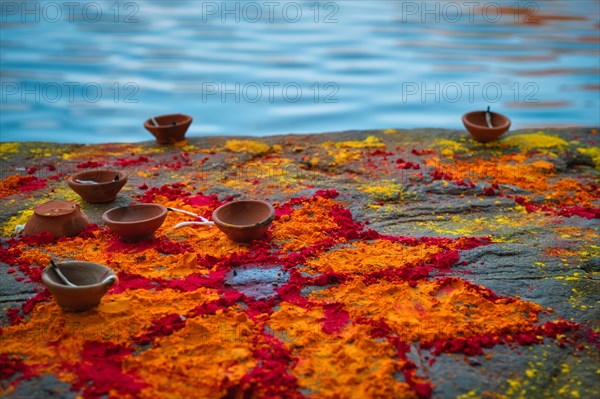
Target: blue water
94, 71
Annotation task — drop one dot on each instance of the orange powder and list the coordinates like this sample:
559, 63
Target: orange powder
118, 318
200, 360
351, 365
305, 226
537, 176
364, 257
433, 309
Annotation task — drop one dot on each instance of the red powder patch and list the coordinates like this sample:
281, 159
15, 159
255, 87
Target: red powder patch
335, 318
100, 371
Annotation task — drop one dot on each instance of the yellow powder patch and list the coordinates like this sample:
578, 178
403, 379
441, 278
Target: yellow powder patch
593, 153
343, 155
200, 360
305, 226
449, 147
365, 257
9, 148
246, 146
383, 192
41, 152
118, 318
19, 219
432, 309
530, 141
369, 142
351, 365
390, 131
461, 226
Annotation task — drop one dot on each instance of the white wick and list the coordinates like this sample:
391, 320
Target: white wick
205, 220
182, 224
154, 122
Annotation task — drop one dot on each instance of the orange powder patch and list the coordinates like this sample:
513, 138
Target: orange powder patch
200, 360
432, 310
365, 257
305, 226
506, 169
537, 176
351, 365
52, 335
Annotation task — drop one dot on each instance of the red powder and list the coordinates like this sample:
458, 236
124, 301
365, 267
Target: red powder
335, 318
402, 164
100, 371
11, 365
422, 152
162, 327
171, 191
90, 164
271, 379
30, 183
131, 161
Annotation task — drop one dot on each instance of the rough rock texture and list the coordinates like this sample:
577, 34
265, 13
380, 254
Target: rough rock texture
375, 303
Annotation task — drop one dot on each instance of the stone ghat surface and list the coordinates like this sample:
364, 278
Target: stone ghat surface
401, 264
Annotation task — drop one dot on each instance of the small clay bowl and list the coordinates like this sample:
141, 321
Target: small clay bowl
105, 190
59, 218
477, 126
171, 128
135, 223
90, 278
244, 221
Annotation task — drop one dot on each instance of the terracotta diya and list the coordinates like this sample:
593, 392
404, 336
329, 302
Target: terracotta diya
170, 129
78, 286
486, 126
135, 223
244, 221
59, 218
98, 186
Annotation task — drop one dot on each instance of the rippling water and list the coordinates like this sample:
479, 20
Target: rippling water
94, 71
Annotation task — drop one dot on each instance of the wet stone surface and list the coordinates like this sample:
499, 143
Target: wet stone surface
257, 281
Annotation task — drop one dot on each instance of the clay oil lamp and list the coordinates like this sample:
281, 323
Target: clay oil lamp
168, 129
98, 186
59, 218
78, 286
486, 126
135, 223
244, 221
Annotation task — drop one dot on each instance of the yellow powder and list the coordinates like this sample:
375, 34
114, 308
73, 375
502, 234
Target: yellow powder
369, 142
19, 219
449, 147
343, 155
383, 192
593, 153
529, 141
9, 148
246, 146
